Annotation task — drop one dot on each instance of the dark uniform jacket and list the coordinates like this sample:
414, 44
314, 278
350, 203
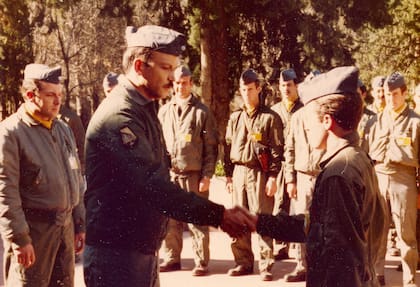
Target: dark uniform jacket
39, 176
243, 130
191, 137
346, 220
129, 191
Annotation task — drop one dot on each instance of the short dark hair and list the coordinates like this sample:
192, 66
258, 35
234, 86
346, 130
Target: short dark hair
345, 109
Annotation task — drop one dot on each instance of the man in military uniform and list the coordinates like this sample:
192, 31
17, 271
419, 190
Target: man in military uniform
254, 147
109, 82
289, 104
300, 171
346, 214
378, 95
41, 187
393, 141
190, 135
367, 114
129, 194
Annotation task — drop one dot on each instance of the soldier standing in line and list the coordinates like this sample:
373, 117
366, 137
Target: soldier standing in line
393, 141
300, 171
288, 105
190, 135
254, 148
378, 95
42, 215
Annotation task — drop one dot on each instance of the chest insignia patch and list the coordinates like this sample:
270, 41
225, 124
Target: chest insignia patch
128, 137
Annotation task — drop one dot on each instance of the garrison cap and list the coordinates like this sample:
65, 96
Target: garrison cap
156, 38
42, 73
249, 76
288, 75
378, 81
182, 71
341, 80
394, 81
110, 80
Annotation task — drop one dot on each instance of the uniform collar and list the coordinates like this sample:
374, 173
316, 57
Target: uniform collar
351, 139
132, 91
28, 119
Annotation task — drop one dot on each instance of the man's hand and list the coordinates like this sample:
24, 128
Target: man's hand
79, 242
204, 184
229, 184
238, 221
25, 255
291, 189
271, 186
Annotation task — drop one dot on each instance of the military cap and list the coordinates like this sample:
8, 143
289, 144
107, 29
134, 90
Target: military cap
110, 80
341, 80
42, 73
378, 81
288, 75
156, 38
249, 76
182, 71
394, 81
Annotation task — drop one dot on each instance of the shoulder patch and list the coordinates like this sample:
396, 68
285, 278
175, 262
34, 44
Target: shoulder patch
128, 137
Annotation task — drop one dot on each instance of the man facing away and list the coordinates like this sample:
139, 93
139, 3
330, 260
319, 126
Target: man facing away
346, 214
130, 196
42, 216
190, 135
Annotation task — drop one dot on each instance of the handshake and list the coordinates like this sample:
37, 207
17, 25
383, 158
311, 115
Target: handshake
237, 221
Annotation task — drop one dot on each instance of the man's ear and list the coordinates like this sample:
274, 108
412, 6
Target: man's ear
139, 66
328, 122
30, 95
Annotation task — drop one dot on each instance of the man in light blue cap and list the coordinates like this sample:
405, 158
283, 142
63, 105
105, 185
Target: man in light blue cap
393, 142
346, 214
41, 187
130, 196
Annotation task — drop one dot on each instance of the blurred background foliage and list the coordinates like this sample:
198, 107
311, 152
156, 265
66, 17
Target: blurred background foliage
86, 38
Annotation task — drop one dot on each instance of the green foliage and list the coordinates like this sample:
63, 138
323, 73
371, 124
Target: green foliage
15, 52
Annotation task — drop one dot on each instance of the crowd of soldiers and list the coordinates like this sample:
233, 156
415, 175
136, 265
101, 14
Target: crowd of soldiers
148, 170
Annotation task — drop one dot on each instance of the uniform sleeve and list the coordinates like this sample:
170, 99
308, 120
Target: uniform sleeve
227, 163
12, 219
142, 176
210, 140
289, 152
368, 134
282, 227
277, 146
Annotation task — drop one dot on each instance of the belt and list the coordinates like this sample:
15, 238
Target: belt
45, 215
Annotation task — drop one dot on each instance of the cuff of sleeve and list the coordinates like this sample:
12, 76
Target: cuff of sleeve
21, 239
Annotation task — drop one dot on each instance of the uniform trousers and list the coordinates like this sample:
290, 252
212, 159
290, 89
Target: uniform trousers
401, 189
111, 267
54, 253
172, 244
249, 192
305, 185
